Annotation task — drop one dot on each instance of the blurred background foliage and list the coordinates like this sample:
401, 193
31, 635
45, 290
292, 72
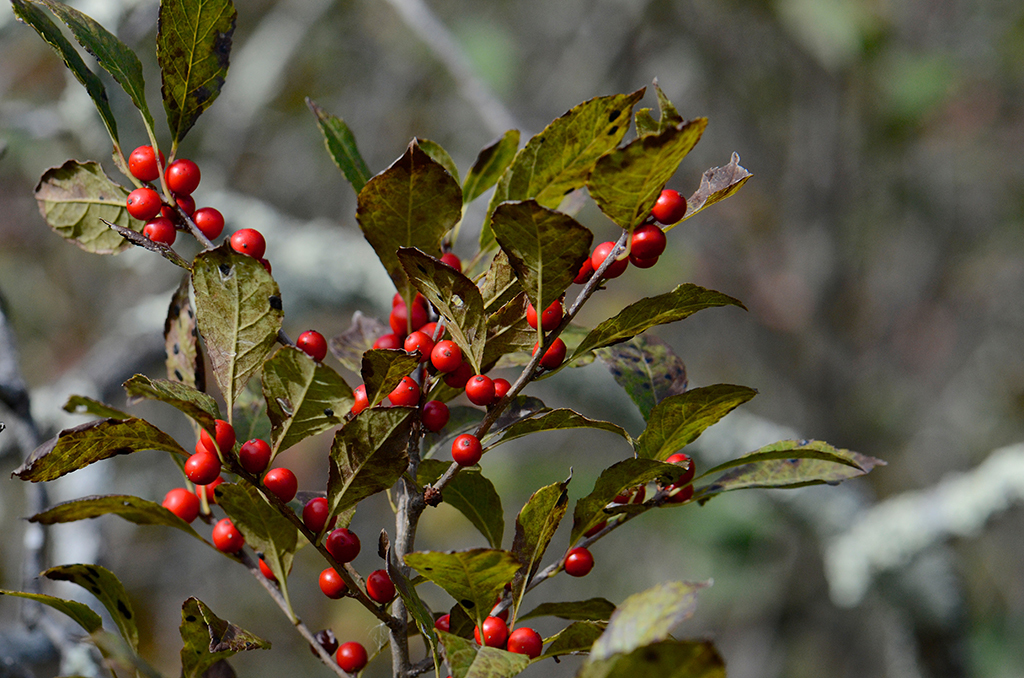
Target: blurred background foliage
879, 249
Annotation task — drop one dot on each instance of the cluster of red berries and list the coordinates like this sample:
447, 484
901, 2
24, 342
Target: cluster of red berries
351, 656
163, 220
495, 633
647, 244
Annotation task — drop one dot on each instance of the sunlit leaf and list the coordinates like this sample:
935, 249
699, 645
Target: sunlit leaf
535, 526
489, 165
472, 495
341, 144
201, 407
440, 156
473, 578
74, 197
647, 369
678, 420
108, 589
80, 613
77, 404
647, 617
468, 660
207, 639
133, 509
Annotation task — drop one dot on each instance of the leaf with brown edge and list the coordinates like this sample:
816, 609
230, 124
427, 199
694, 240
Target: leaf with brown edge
74, 199
207, 639
382, 370
717, 184
535, 526
489, 165
678, 420
108, 589
197, 405
474, 578
77, 447
184, 357
369, 454
349, 346
133, 509
647, 370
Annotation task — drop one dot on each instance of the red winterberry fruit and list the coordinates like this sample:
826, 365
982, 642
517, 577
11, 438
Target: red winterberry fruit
361, 401
266, 571
407, 393
202, 468
419, 341
388, 341
553, 356
495, 632
601, 252
254, 455
207, 491
314, 514
379, 587
419, 299
331, 583
435, 415
691, 470
596, 528
351, 657
648, 242
525, 640
586, 270
446, 356
249, 241
226, 536
224, 434
466, 449
182, 503
209, 221
182, 176
343, 544
326, 639
142, 163
460, 377
282, 482
680, 494
265, 264
578, 562
313, 344
451, 260
429, 330
642, 263
143, 203
549, 319
443, 623
402, 323
160, 229
501, 387
186, 203
670, 207
480, 390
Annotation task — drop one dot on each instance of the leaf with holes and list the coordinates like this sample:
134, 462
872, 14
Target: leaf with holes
184, 357
108, 589
75, 197
341, 145
647, 370
489, 165
474, 578
133, 509
535, 526
207, 639
369, 455
470, 494
678, 420
201, 407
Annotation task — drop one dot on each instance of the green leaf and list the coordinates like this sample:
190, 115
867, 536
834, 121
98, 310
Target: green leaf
508, 332
383, 369
489, 165
77, 447
201, 407
239, 309
181, 341
369, 454
303, 397
626, 182
787, 463
472, 495
473, 578
108, 589
77, 404
251, 420
666, 659
594, 609
193, 42
80, 613
112, 54
349, 346
535, 526
717, 184
133, 509
264, 528
500, 284
467, 660
74, 197
48, 31
647, 617
440, 156
554, 420
646, 124
413, 203
680, 303
545, 248
454, 296
341, 145
614, 480
560, 158
647, 369
417, 609
577, 637
678, 420
207, 639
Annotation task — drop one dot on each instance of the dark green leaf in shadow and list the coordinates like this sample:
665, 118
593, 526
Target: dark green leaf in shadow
75, 197
440, 156
133, 509
508, 332
647, 370
369, 454
474, 578
499, 284
669, 116
108, 589
678, 420
576, 638
382, 370
594, 609
207, 639
489, 165
472, 495
554, 420
665, 659
461, 420
341, 145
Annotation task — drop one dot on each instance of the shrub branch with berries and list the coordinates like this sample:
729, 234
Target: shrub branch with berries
451, 327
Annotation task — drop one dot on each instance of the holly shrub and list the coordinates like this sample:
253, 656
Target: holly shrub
228, 312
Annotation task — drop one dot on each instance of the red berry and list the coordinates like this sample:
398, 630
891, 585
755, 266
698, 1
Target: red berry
142, 164
388, 341
683, 458
343, 544
143, 203
495, 632
446, 356
351, 657
182, 503
501, 387
466, 449
314, 514
224, 434
313, 344
400, 321
407, 393
209, 220
642, 263
435, 415
361, 401
586, 270
601, 252
266, 571
265, 264
202, 468
684, 494
282, 482
669, 208
579, 562
331, 583
249, 241
443, 623
451, 260
596, 528
254, 455
327, 641
226, 536
549, 319
207, 491
553, 356
182, 176
419, 299
160, 229
525, 640
648, 242
460, 377
429, 330
419, 341
480, 390
379, 587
